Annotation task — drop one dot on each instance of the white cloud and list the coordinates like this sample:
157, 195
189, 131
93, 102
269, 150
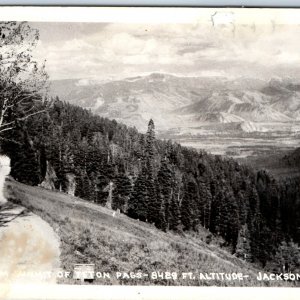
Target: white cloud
122, 49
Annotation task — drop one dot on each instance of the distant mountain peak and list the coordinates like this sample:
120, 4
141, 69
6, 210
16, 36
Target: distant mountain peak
185, 101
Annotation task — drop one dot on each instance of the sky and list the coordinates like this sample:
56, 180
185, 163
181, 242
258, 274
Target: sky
218, 45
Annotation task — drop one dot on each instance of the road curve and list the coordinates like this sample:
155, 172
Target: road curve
29, 249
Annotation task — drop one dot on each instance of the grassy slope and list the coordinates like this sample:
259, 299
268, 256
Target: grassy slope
90, 234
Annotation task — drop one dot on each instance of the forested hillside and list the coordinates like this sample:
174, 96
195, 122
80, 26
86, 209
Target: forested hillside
90, 233
69, 149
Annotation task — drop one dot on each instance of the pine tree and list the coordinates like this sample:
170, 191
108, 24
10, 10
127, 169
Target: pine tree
150, 138
101, 194
86, 188
287, 258
174, 213
24, 162
205, 203
121, 192
263, 241
138, 202
232, 224
216, 221
165, 179
79, 190
189, 206
162, 223
156, 208
153, 203
149, 161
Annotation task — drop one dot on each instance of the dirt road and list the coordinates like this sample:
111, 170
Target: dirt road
29, 248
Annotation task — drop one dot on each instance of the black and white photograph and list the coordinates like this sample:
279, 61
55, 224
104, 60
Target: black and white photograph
142, 153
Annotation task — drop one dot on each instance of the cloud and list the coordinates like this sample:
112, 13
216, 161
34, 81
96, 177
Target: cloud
117, 50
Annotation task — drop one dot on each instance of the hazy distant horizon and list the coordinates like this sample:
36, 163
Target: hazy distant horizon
116, 50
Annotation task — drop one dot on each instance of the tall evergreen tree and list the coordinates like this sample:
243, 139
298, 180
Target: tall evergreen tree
150, 139
205, 202
138, 202
165, 179
121, 192
189, 206
24, 161
174, 213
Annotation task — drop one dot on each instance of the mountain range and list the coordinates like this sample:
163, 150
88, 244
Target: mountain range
249, 104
